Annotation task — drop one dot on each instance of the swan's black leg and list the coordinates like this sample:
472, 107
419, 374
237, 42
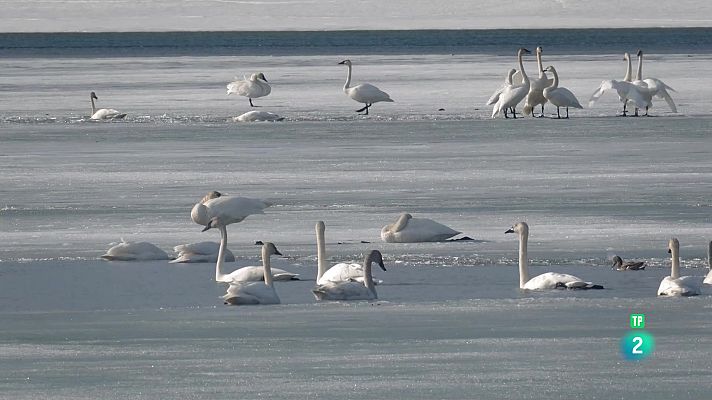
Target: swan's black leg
514, 113
646, 111
567, 113
636, 112
505, 113
365, 108
251, 105
625, 112
542, 111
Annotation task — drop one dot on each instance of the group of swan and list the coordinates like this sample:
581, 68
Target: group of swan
534, 92
639, 91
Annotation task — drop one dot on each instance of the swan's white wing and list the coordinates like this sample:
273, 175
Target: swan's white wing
367, 93
250, 293
241, 88
420, 230
205, 248
232, 209
257, 273
188, 257
107, 113
255, 116
605, 85
495, 96
658, 88
682, 286
563, 97
708, 278
343, 291
135, 251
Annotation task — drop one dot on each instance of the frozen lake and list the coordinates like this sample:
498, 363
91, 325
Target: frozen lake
450, 322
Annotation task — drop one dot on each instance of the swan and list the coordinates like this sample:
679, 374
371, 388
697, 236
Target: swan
676, 285
252, 88
535, 96
214, 209
407, 229
135, 251
548, 280
626, 90
620, 265
364, 93
507, 83
341, 272
103, 113
200, 252
560, 96
256, 116
352, 290
708, 278
652, 87
510, 97
252, 293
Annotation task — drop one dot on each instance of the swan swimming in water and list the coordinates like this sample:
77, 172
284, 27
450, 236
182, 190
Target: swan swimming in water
621, 265
254, 293
253, 87
510, 97
135, 251
103, 113
536, 96
407, 229
548, 280
257, 116
341, 272
200, 252
560, 96
352, 290
626, 90
364, 93
676, 285
652, 87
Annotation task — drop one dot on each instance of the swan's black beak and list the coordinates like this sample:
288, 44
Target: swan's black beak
258, 243
277, 252
510, 230
669, 251
383, 267
343, 62
206, 228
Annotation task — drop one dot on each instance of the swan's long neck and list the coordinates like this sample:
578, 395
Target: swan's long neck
348, 79
542, 75
675, 255
267, 266
219, 276
401, 223
367, 276
628, 71
523, 260
639, 75
320, 252
525, 78
709, 256
508, 81
555, 84
93, 106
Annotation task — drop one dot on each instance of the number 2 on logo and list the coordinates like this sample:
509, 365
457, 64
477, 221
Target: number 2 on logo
636, 348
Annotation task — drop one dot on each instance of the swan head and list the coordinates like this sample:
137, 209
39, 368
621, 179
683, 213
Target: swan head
626, 57
346, 62
550, 68
270, 249
377, 257
639, 53
211, 195
520, 227
320, 227
522, 50
93, 96
617, 261
539, 50
260, 76
673, 244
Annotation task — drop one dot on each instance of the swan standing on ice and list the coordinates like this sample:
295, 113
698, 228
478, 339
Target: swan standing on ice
535, 96
676, 285
200, 252
652, 87
364, 93
352, 290
407, 229
548, 280
708, 278
510, 97
626, 90
103, 113
253, 293
621, 265
506, 86
341, 272
252, 88
560, 96
135, 251
257, 116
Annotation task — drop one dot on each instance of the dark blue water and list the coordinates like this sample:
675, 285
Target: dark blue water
500, 41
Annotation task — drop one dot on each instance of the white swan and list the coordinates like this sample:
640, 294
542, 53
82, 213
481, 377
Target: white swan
252, 88
103, 113
510, 97
535, 96
708, 278
560, 96
407, 229
621, 265
135, 251
652, 87
257, 116
626, 90
200, 252
507, 84
548, 280
676, 285
253, 293
364, 93
214, 209
352, 290
341, 272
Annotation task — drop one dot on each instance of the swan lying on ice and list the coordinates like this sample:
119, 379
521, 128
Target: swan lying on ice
257, 116
200, 252
135, 251
407, 229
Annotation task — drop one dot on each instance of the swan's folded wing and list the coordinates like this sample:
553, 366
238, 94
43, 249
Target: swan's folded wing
495, 96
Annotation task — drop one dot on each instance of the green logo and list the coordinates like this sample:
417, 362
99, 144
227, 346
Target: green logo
637, 321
